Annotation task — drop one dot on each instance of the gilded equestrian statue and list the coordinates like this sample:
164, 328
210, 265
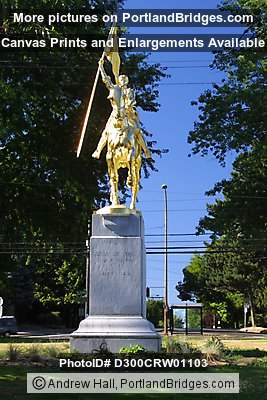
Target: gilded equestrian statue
122, 136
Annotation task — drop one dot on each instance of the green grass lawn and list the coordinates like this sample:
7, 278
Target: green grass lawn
230, 341
253, 378
253, 382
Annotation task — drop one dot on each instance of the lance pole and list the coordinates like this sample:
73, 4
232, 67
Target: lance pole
89, 107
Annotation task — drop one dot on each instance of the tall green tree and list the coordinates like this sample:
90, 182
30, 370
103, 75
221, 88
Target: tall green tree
242, 213
216, 280
233, 118
47, 194
233, 114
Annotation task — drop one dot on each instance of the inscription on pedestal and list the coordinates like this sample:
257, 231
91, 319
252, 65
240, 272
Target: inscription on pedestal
115, 276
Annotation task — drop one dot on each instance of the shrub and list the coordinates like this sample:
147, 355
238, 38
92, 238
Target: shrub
33, 353
213, 349
133, 349
172, 345
52, 351
13, 353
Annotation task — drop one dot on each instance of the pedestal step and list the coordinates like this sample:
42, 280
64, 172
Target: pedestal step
114, 333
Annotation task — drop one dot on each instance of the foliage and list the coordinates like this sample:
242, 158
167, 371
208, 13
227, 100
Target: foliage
47, 194
242, 212
33, 353
192, 285
155, 312
219, 309
194, 318
233, 119
173, 345
213, 280
132, 349
178, 321
261, 362
213, 349
52, 351
233, 114
13, 352
63, 285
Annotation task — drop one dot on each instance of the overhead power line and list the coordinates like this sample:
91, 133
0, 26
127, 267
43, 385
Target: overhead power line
65, 67
148, 252
83, 250
202, 252
177, 210
177, 241
178, 61
175, 247
188, 83
179, 234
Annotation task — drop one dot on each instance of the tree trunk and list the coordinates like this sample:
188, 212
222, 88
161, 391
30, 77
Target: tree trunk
252, 313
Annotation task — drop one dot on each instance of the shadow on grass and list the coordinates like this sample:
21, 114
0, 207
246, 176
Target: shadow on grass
248, 353
252, 385
18, 339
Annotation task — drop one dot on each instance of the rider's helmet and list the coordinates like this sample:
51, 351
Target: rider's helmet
123, 80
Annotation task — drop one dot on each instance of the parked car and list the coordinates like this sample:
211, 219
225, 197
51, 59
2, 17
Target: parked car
8, 325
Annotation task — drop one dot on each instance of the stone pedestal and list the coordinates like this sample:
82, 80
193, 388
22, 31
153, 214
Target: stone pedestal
117, 284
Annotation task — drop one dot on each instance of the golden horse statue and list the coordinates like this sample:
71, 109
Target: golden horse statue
122, 136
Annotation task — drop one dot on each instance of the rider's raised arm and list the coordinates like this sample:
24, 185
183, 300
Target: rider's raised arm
105, 78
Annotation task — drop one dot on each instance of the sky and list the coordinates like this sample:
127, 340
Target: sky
187, 178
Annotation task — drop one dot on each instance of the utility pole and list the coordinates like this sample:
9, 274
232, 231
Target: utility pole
166, 306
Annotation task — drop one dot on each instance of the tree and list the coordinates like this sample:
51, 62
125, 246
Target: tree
47, 195
241, 219
42, 107
155, 312
191, 287
216, 280
242, 212
233, 118
194, 318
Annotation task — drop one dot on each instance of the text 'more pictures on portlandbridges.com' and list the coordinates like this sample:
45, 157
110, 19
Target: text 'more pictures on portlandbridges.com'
133, 189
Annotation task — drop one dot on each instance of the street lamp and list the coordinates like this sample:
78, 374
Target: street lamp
166, 306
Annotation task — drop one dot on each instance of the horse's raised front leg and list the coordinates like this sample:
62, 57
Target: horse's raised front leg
102, 143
